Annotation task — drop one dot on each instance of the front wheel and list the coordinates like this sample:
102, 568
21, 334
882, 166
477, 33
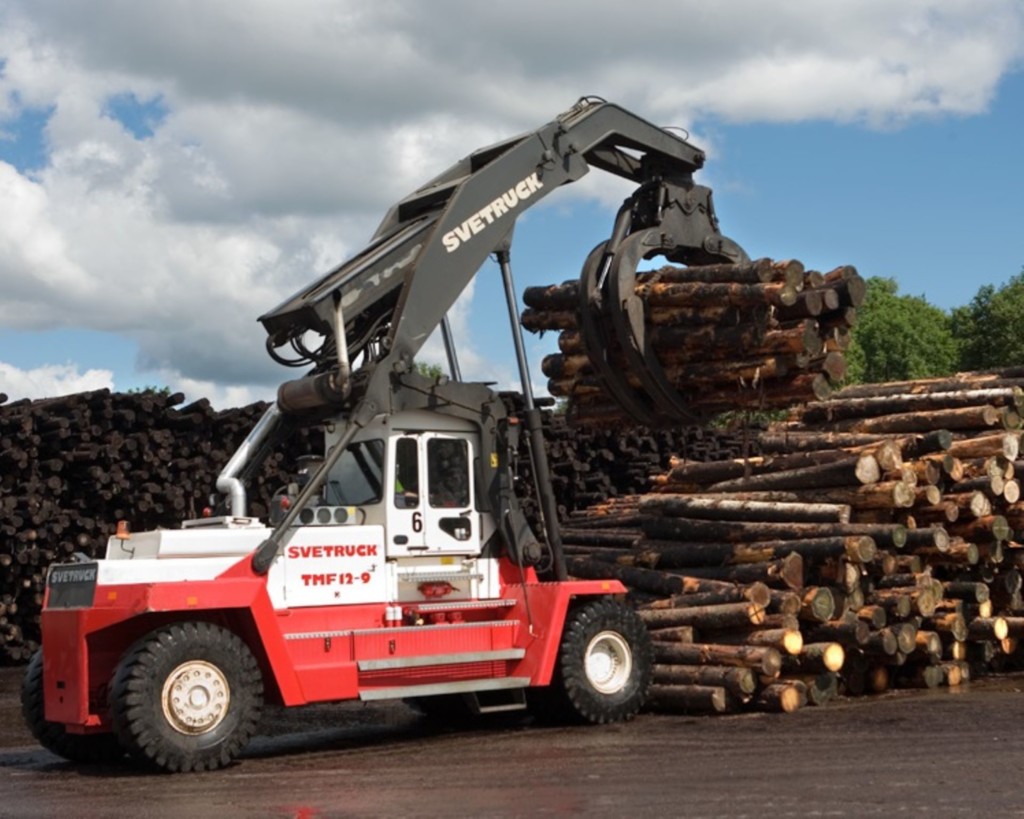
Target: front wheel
187, 697
604, 665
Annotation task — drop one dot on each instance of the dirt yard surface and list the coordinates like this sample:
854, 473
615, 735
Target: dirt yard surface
951, 753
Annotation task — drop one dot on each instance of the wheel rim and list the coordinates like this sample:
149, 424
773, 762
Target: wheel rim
608, 662
196, 697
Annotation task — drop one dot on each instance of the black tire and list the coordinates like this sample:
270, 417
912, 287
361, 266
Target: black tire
89, 748
604, 666
162, 727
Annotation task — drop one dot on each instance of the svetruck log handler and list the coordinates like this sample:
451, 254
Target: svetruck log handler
403, 566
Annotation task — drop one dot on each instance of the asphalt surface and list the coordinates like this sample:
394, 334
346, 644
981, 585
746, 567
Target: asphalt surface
949, 753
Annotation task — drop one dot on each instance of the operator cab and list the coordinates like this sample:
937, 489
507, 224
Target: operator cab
414, 474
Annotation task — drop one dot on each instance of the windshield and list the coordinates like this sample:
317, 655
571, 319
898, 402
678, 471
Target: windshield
358, 477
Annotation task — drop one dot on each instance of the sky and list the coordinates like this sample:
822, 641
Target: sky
171, 170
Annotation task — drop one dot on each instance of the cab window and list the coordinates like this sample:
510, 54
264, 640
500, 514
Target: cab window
358, 477
407, 474
448, 472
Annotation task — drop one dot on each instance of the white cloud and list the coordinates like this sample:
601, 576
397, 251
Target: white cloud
51, 380
222, 396
289, 129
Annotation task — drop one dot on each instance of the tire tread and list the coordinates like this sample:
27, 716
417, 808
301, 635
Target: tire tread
137, 686
570, 694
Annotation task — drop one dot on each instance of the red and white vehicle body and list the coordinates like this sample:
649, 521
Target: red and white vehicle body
388, 589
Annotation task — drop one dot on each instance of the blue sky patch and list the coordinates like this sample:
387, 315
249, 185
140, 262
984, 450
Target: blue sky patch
140, 117
23, 140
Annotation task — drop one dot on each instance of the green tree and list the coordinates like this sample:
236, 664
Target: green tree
990, 330
899, 337
165, 391
429, 370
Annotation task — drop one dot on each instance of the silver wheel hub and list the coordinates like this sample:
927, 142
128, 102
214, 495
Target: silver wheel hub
608, 662
196, 697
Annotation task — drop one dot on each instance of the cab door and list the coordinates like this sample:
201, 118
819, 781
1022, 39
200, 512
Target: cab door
406, 533
432, 508
451, 521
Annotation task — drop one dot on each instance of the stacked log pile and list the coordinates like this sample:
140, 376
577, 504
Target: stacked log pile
867, 542
759, 335
882, 522
590, 466
72, 467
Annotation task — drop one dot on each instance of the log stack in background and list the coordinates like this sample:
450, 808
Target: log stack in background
759, 335
72, 467
590, 465
881, 520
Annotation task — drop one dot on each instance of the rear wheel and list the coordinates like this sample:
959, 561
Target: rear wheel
53, 736
604, 666
187, 697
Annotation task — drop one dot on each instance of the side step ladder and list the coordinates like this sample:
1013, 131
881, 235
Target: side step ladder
468, 687
496, 702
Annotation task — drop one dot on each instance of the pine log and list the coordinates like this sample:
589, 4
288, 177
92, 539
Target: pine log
976, 417
818, 604
841, 408
782, 697
766, 661
925, 676
690, 530
875, 616
711, 508
987, 628
756, 593
739, 682
991, 527
928, 644
670, 554
1006, 444
783, 602
882, 641
966, 590
953, 625
847, 632
720, 616
820, 688
958, 382
860, 469
788, 572
906, 636
955, 673
640, 579
673, 634
785, 640
699, 699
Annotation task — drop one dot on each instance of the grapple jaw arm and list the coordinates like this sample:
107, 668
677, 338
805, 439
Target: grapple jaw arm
668, 216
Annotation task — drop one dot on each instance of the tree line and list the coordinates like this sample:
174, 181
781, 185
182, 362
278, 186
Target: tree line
899, 337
